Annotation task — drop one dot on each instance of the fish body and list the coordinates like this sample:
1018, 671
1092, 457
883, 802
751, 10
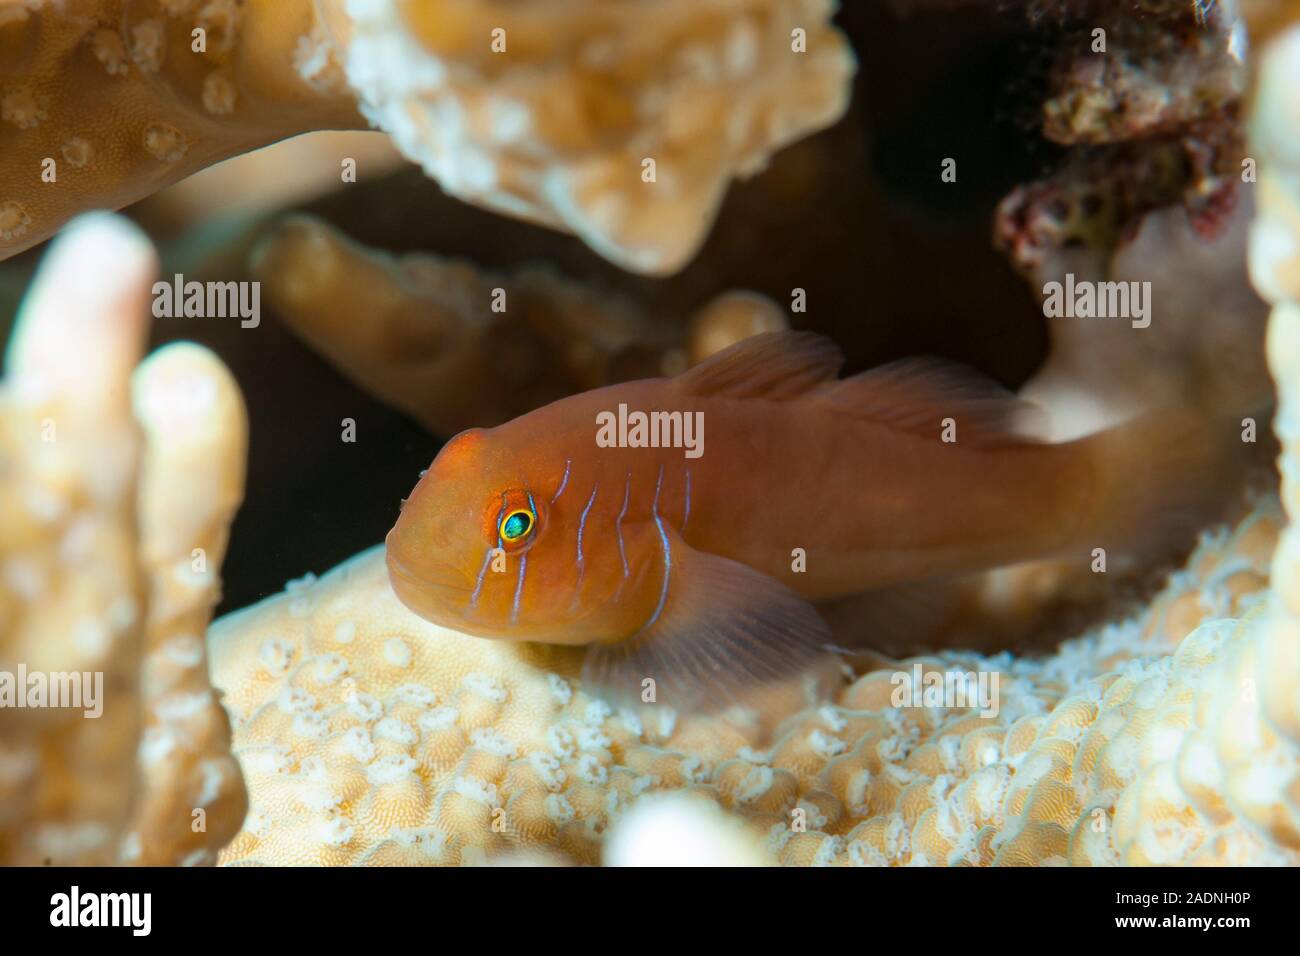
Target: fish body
696, 566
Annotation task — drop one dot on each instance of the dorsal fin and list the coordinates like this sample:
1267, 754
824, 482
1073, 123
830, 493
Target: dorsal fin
917, 394
773, 365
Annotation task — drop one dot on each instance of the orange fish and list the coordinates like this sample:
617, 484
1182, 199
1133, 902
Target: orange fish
773, 484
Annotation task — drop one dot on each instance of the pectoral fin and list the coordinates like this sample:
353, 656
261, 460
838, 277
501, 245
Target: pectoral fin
721, 628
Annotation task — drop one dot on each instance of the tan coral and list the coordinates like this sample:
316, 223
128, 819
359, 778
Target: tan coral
193, 797
1166, 737
1132, 744
552, 110
455, 346
557, 126
93, 518
107, 101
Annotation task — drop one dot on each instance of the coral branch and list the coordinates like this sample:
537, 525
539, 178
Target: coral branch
551, 111
617, 122
93, 518
103, 102
192, 482
454, 346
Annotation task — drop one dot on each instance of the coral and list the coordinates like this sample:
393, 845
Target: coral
1148, 80
1152, 189
455, 346
622, 125
253, 184
1203, 345
107, 101
680, 830
370, 736
551, 111
1154, 119
1267, 18
1167, 736
109, 481
193, 797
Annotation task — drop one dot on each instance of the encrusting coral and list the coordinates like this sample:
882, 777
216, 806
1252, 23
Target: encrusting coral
1153, 188
616, 122
116, 494
455, 347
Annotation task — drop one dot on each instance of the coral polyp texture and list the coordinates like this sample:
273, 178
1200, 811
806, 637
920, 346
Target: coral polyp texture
103, 102
117, 487
621, 123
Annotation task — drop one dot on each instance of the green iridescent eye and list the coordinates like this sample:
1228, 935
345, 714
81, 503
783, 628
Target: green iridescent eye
516, 525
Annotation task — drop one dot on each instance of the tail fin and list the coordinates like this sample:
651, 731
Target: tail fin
1163, 477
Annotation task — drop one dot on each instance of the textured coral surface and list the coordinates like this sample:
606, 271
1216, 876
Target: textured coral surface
619, 122
103, 102
552, 110
117, 487
438, 331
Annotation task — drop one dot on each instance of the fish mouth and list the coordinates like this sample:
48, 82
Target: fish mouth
433, 599
398, 569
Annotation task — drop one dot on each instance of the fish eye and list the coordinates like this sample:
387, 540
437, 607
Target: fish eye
516, 525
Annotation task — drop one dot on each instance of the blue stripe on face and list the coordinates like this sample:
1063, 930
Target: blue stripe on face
687, 516
519, 588
618, 525
564, 482
478, 585
582, 564
668, 557
582, 521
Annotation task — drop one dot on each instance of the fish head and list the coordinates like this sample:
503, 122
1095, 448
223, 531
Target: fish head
475, 529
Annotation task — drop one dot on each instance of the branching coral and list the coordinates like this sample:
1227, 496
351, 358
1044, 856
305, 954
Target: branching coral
555, 110
116, 493
192, 481
616, 122
103, 102
456, 347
